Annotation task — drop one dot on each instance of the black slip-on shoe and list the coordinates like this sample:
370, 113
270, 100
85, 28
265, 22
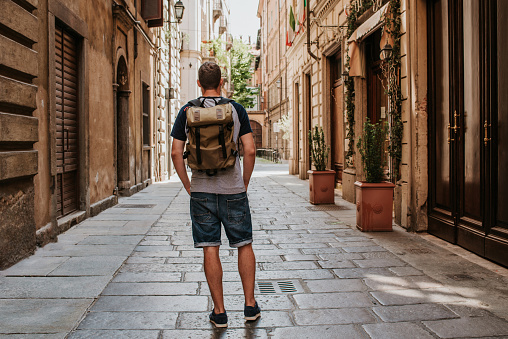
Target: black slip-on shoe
219, 320
252, 312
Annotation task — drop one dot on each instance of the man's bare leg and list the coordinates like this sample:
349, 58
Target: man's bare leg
247, 269
213, 273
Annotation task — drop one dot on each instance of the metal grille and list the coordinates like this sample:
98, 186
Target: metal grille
135, 206
278, 287
327, 208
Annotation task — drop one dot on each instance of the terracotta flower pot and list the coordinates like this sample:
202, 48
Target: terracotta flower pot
374, 206
321, 187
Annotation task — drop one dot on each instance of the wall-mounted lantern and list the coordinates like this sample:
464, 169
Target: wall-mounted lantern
386, 52
179, 9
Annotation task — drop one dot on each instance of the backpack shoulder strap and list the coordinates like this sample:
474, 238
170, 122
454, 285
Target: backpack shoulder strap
195, 102
223, 101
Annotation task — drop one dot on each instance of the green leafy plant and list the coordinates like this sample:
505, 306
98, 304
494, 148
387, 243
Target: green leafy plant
371, 148
318, 149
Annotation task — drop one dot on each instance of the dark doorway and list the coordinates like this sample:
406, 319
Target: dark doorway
308, 113
467, 142
122, 126
296, 123
67, 118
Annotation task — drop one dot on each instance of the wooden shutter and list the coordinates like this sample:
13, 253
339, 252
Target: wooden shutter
151, 9
67, 157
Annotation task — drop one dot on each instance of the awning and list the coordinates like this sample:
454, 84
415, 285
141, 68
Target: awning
355, 48
369, 26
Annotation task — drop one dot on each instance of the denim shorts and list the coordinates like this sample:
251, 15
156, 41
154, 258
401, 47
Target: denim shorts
209, 210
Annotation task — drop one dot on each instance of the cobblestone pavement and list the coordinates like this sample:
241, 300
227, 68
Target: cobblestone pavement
132, 272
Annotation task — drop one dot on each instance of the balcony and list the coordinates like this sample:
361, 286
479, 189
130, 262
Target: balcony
217, 9
223, 27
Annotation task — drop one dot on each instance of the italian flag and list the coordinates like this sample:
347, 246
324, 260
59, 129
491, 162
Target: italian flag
302, 14
292, 24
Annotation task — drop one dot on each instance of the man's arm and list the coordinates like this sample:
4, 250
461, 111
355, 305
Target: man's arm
249, 157
179, 163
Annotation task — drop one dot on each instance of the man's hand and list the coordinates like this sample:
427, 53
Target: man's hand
179, 163
249, 157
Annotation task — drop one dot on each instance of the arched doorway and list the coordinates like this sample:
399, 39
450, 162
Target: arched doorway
122, 125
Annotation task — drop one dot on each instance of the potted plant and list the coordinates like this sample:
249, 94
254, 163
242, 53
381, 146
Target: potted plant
374, 197
321, 181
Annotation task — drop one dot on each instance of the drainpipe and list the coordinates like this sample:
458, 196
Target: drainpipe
308, 33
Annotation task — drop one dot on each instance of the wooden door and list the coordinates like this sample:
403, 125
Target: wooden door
466, 106
337, 131
257, 133
66, 62
337, 116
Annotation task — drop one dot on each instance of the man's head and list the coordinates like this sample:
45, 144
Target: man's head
209, 76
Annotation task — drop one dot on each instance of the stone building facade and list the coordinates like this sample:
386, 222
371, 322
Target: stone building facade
450, 180
274, 63
83, 112
206, 20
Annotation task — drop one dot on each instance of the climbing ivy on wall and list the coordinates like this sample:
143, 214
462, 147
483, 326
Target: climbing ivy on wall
394, 93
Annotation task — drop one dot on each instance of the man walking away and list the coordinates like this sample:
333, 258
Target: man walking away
218, 196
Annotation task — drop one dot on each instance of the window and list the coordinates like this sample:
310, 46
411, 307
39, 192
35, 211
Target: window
146, 114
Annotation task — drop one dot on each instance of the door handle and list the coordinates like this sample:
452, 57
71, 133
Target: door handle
486, 139
450, 139
455, 116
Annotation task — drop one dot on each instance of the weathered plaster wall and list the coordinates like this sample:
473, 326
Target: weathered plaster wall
101, 102
43, 181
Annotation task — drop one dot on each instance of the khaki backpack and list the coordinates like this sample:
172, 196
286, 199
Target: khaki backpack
211, 145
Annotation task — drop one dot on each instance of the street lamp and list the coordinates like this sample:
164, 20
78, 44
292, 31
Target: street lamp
345, 74
179, 8
386, 52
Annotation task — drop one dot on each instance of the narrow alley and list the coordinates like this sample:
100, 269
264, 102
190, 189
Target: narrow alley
132, 272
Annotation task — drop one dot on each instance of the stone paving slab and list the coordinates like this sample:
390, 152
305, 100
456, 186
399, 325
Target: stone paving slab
151, 303
468, 327
333, 316
414, 312
89, 265
41, 315
151, 288
417, 296
114, 334
148, 277
69, 250
333, 300
342, 285
247, 332
35, 266
324, 331
129, 321
52, 287
396, 330
35, 336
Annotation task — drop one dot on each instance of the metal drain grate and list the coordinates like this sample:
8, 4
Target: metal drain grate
278, 287
327, 208
135, 206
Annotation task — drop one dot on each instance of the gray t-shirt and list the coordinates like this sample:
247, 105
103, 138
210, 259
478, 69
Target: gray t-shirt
227, 181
